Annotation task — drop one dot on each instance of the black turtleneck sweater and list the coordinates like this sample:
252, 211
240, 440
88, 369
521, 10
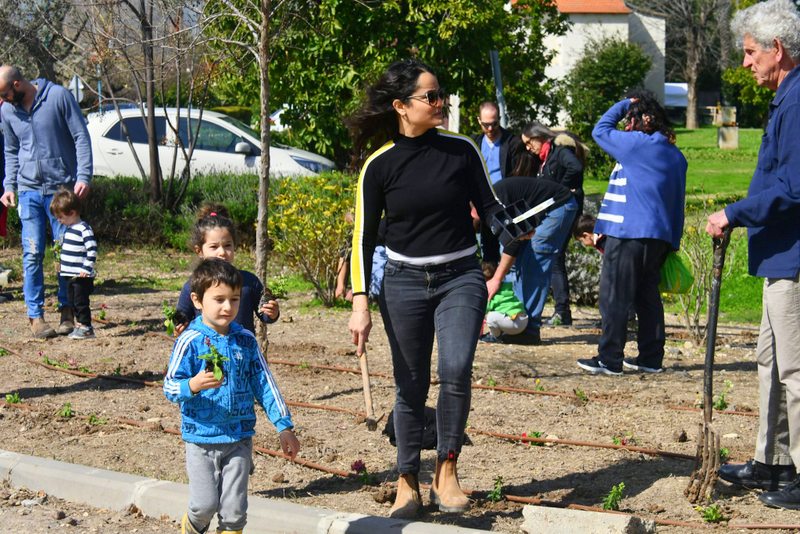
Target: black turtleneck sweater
424, 186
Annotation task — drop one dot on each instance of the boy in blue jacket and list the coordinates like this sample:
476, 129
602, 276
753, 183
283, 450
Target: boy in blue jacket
218, 417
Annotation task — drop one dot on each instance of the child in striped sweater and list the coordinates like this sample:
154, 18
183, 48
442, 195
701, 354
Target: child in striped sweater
77, 258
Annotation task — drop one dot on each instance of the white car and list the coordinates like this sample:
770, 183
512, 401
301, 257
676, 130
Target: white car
223, 144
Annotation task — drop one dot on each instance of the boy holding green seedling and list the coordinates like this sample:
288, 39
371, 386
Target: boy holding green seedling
215, 372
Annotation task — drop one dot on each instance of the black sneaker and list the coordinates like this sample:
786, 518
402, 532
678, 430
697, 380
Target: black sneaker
528, 337
788, 497
632, 363
596, 367
559, 320
490, 338
753, 474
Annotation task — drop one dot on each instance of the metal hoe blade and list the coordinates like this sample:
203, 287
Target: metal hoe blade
704, 476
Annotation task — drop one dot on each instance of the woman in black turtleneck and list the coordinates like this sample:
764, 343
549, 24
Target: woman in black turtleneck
423, 180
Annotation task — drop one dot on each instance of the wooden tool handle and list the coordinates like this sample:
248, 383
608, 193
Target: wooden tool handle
367, 391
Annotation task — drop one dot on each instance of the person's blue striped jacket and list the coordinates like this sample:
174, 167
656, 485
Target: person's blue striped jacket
225, 414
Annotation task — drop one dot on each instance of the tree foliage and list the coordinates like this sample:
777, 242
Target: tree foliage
607, 70
697, 40
35, 36
328, 50
752, 101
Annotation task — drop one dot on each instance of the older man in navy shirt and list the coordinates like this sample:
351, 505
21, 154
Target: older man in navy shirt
770, 35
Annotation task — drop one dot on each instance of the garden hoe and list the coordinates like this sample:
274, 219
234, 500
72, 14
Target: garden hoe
372, 423
701, 483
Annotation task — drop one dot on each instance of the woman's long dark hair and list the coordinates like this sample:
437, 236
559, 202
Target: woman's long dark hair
648, 105
376, 121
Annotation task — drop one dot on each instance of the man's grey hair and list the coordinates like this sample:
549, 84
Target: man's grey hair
765, 21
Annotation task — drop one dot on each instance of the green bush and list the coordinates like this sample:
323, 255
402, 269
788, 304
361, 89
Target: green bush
308, 228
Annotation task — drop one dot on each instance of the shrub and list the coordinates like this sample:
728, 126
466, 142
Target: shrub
308, 227
697, 250
607, 70
752, 101
583, 269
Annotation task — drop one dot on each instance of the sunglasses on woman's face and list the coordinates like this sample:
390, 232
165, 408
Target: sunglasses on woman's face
432, 97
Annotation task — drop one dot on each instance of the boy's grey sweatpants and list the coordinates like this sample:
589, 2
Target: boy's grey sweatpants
218, 476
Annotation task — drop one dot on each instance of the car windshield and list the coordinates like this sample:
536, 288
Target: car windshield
242, 126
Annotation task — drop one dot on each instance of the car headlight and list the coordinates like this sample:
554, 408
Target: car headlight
313, 166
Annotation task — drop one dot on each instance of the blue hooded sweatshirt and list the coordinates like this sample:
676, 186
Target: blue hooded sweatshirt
49, 146
225, 414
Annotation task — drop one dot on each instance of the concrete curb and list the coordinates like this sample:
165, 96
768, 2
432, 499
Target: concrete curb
156, 498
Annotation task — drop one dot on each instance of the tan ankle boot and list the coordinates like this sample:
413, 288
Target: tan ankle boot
445, 490
41, 329
407, 502
67, 324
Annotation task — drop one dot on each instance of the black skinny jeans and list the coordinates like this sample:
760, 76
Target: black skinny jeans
447, 300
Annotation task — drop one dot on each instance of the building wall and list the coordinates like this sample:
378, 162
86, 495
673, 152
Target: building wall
650, 33
647, 32
585, 28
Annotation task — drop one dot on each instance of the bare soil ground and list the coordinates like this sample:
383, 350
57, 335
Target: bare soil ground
635, 407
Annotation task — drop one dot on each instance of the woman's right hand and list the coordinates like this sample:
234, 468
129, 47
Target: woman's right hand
360, 323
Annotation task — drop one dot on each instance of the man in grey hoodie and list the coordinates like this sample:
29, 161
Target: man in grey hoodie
47, 146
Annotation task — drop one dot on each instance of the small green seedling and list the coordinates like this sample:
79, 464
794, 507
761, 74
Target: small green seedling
533, 434
169, 317
624, 439
118, 370
4, 352
66, 411
102, 313
581, 395
537, 385
491, 382
711, 513
360, 469
724, 454
303, 365
13, 398
214, 360
496, 494
54, 363
95, 420
279, 287
721, 402
611, 501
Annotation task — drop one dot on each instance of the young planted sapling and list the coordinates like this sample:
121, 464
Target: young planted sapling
214, 360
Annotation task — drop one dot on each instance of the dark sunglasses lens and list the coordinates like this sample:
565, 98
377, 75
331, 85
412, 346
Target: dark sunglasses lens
434, 95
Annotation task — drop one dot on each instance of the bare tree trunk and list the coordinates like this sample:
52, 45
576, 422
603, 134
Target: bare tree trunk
262, 232
146, 21
692, 71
